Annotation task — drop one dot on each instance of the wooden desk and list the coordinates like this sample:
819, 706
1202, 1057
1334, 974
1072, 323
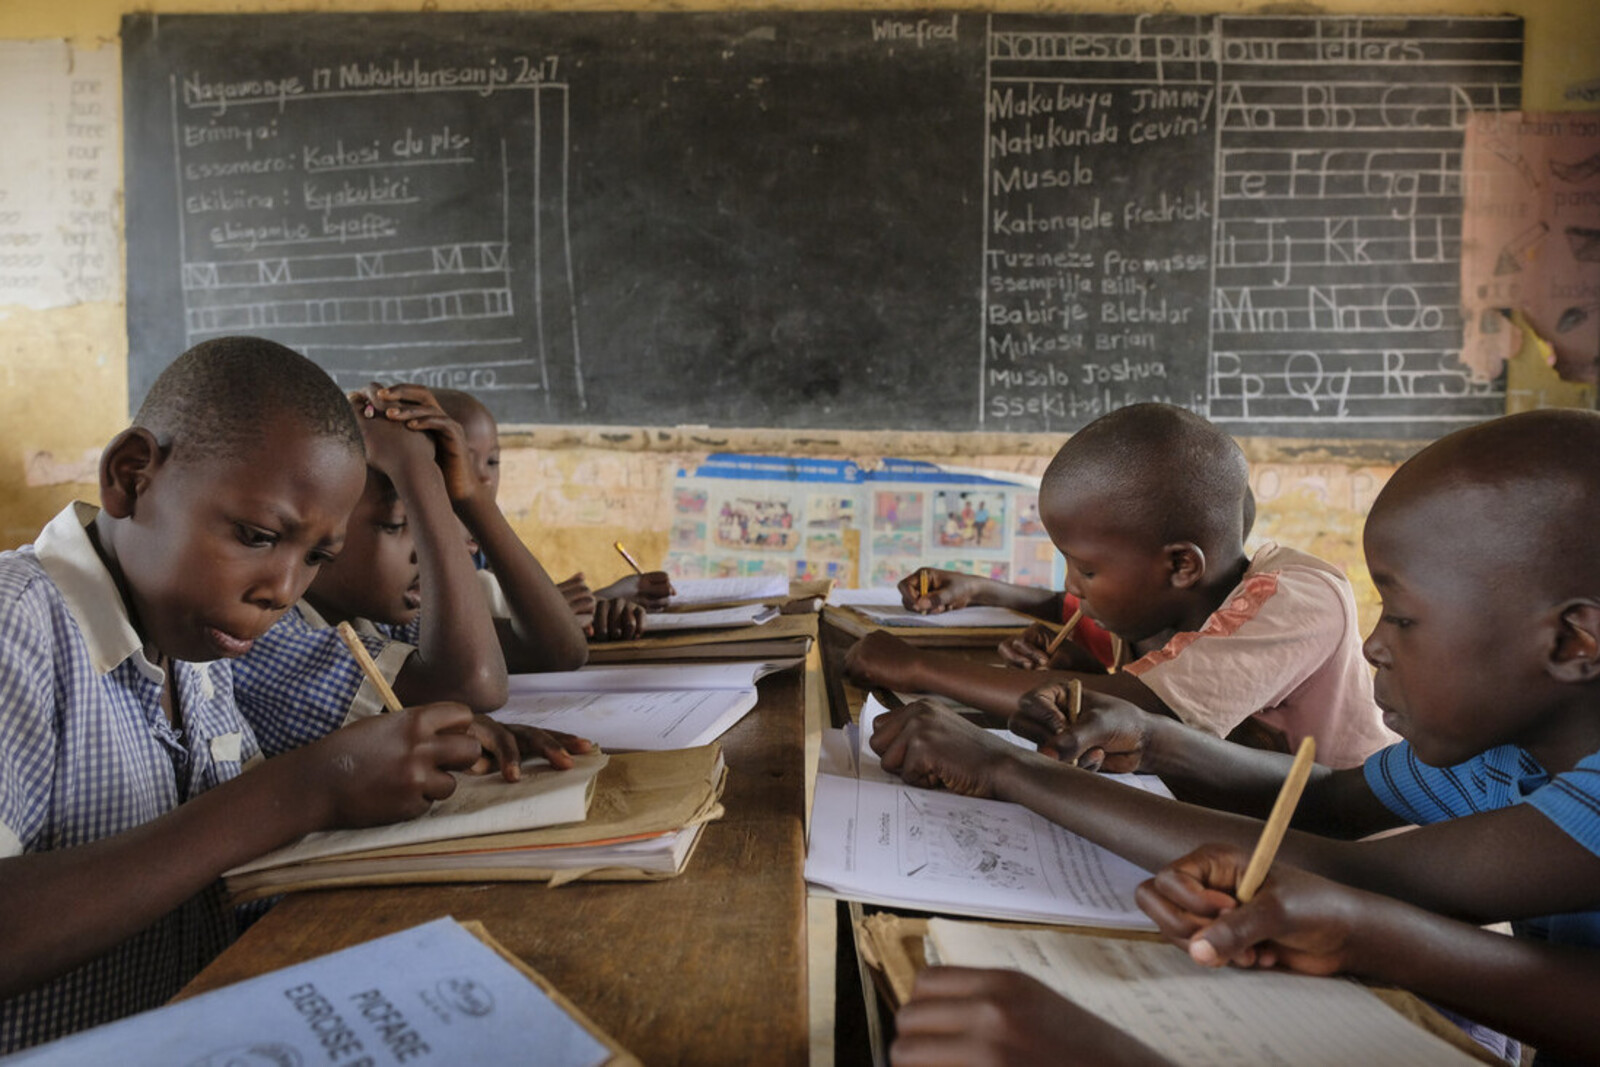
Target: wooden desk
842, 627
707, 968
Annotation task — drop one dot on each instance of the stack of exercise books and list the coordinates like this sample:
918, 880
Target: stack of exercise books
621, 817
443, 992
724, 619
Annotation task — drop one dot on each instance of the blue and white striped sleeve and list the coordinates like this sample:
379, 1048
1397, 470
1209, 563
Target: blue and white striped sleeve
300, 683
1572, 802
29, 733
1423, 794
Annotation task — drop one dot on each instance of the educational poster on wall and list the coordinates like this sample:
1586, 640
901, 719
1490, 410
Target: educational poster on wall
60, 208
1530, 238
743, 515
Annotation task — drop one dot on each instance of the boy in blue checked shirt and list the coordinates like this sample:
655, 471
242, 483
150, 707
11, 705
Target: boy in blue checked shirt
1483, 549
121, 749
405, 583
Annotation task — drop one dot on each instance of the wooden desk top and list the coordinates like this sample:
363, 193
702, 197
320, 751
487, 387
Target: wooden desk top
707, 968
842, 627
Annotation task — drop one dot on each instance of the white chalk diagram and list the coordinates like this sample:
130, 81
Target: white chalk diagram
373, 296
944, 842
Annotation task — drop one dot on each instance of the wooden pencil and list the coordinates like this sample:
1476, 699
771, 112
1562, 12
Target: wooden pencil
887, 697
1074, 701
369, 668
1061, 637
623, 552
1278, 822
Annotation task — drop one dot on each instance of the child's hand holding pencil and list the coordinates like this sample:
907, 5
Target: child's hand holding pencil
931, 591
1079, 725
1297, 921
504, 746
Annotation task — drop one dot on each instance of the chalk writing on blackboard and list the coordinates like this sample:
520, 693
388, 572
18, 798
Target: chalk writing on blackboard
947, 221
1281, 255
340, 226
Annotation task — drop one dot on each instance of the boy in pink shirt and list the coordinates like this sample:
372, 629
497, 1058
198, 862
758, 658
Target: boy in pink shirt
1148, 504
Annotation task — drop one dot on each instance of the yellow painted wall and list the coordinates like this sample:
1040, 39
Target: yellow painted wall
569, 490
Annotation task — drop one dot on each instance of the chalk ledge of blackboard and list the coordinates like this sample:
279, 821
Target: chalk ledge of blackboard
1025, 453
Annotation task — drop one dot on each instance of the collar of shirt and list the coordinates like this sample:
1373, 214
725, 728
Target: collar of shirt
314, 619
68, 556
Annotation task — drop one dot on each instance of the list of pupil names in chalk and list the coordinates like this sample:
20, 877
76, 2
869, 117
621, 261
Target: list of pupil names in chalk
1095, 270
322, 207
1257, 218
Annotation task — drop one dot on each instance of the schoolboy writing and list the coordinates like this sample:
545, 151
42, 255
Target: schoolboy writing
1079, 644
1487, 660
1148, 505
517, 584
121, 749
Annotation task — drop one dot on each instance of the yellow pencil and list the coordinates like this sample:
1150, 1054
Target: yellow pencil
922, 580
369, 668
1061, 637
1278, 822
623, 552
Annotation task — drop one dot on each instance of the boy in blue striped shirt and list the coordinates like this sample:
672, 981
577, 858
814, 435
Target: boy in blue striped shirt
1483, 547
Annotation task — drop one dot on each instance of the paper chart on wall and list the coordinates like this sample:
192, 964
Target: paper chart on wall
748, 515
60, 208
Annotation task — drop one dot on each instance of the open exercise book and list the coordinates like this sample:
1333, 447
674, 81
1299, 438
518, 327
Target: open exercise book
700, 592
878, 840
783, 636
884, 607
645, 818
1194, 1016
710, 618
640, 706
442, 992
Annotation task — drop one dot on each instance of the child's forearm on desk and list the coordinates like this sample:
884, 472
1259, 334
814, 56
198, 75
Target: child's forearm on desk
1537, 992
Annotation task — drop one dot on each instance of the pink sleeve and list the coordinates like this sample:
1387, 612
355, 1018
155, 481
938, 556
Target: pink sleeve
1274, 633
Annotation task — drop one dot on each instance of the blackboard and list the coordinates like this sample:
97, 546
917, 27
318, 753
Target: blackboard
865, 220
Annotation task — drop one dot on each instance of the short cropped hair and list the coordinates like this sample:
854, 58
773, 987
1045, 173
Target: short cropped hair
214, 400
460, 404
1168, 474
1535, 477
